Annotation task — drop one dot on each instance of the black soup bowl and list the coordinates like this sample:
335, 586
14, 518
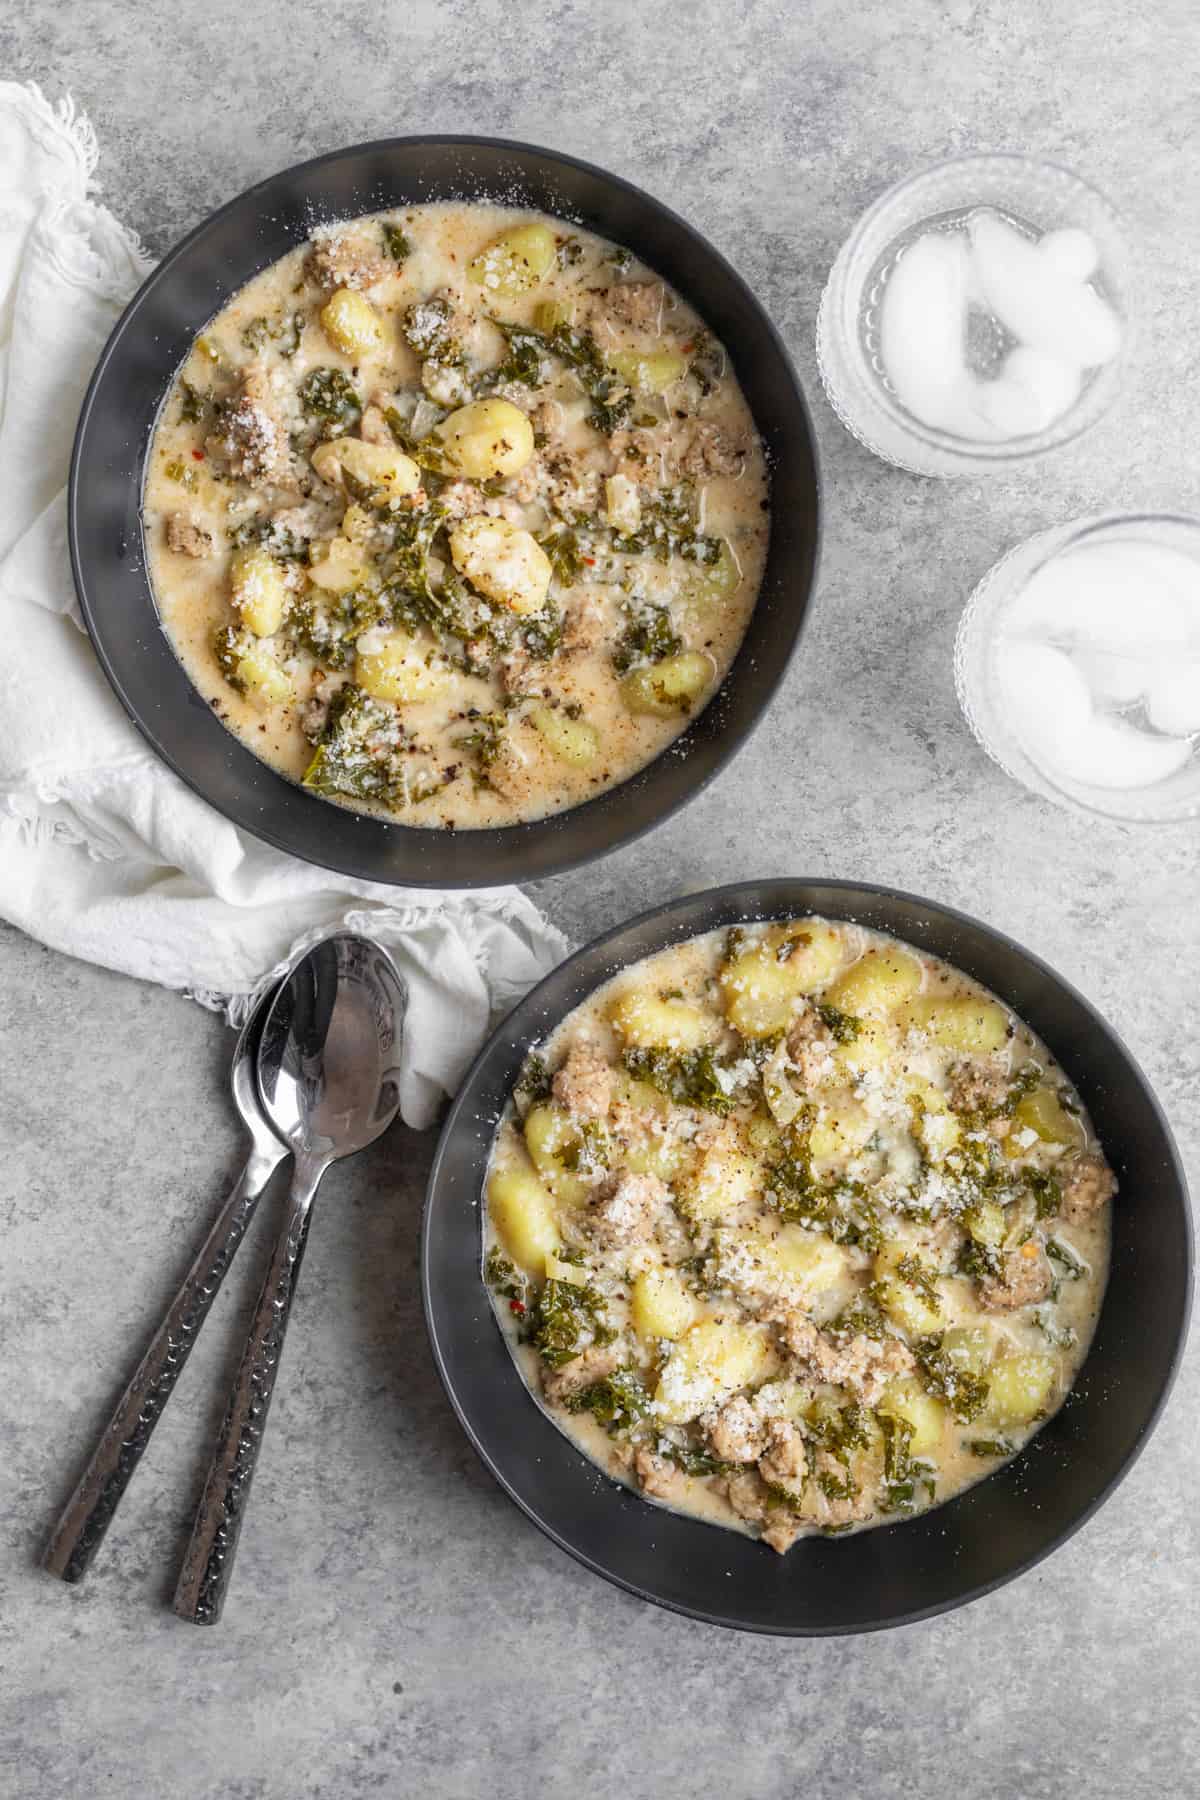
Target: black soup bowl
892, 1574
150, 341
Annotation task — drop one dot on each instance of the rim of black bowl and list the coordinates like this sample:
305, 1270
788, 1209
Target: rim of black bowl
724, 906
104, 526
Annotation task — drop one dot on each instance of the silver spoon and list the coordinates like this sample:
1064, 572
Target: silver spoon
89, 1511
328, 1078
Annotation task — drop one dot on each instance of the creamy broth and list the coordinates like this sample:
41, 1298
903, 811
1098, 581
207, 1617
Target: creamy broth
797, 1229
456, 514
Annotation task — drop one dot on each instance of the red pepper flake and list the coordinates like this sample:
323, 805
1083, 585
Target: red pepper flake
590, 561
518, 1307
199, 455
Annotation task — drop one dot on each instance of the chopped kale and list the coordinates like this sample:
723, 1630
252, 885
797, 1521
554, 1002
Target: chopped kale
426, 452
261, 528
841, 1431
693, 1459
395, 243
841, 1210
329, 396
919, 1276
566, 1320
428, 327
620, 258
284, 333
503, 1277
484, 737
965, 1394
842, 1026
902, 1475
534, 1083
566, 557
648, 637
1066, 1259
527, 353
1046, 1189
229, 647
192, 403
569, 252
361, 751
329, 625
692, 1078
618, 1401
707, 364
997, 1446
977, 1260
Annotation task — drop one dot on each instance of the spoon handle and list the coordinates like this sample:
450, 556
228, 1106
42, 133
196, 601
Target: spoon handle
89, 1512
208, 1562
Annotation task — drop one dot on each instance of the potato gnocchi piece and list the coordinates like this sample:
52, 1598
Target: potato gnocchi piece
258, 590
262, 679
1020, 1387
1042, 1112
344, 566
398, 667
503, 561
671, 686
710, 1362
960, 1021
352, 324
523, 1214
486, 439
552, 1139
515, 262
571, 740
660, 1305
371, 467
876, 984
724, 1178
926, 1417
647, 1021
914, 1305
762, 984
649, 371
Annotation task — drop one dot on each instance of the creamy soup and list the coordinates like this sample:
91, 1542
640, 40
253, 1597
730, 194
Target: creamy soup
456, 514
797, 1229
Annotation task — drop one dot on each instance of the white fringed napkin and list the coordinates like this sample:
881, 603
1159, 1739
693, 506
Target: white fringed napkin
104, 853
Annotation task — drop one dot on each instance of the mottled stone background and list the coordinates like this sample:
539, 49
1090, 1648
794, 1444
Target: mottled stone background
397, 1627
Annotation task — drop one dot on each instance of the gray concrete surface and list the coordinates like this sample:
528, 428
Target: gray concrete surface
397, 1628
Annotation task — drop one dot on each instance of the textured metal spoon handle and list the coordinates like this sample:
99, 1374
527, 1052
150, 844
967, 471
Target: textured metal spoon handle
90, 1510
208, 1564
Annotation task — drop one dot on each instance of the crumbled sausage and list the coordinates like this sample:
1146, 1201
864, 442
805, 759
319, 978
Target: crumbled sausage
751, 1500
785, 1462
461, 499
343, 259
593, 1365
661, 1479
711, 452
636, 303
976, 1085
810, 1045
374, 428
622, 1211
1025, 1277
187, 538
584, 1083
571, 484
1088, 1185
250, 434
643, 454
865, 1365
736, 1434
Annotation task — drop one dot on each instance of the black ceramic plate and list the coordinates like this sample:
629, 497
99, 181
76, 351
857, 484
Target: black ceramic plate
894, 1574
153, 336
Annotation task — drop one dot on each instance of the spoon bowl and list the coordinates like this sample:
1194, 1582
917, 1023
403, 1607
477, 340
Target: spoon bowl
328, 1063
